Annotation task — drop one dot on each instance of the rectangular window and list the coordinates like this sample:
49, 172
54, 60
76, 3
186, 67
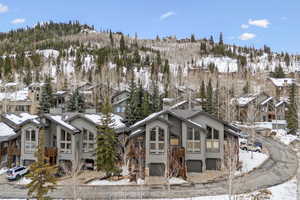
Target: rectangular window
65, 142
89, 141
212, 140
157, 140
30, 141
193, 140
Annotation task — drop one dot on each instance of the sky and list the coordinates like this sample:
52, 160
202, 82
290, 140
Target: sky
242, 22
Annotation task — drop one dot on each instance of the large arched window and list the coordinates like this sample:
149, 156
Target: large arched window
157, 140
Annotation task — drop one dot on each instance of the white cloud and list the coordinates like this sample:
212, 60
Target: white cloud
247, 36
18, 21
244, 26
167, 14
3, 8
264, 23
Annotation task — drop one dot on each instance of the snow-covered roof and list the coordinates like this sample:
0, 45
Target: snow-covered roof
244, 100
279, 103
22, 117
120, 101
279, 122
196, 124
59, 120
6, 131
60, 92
136, 132
266, 101
21, 95
178, 104
97, 118
11, 84
36, 84
281, 82
153, 115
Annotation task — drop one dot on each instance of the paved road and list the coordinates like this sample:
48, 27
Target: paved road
280, 167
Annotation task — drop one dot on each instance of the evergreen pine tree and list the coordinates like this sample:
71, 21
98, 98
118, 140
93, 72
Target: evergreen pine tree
111, 38
193, 39
42, 175
146, 105
203, 96
76, 102
46, 101
221, 42
292, 113
130, 109
216, 101
122, 44
209, 93
155, 98
106, 150
246, 88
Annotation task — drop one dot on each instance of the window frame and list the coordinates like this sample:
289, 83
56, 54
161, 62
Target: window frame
193, 141
30, 143
213, 142
86, 141
64, 141
157, 143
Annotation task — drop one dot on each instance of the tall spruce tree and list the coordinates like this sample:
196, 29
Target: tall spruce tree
46, 101
106, 150
42, 175
156, 104
131, 107
203, 96
76, 102
209, 93
111, 37
122, 44
221, 42
292, 113
246, 88
216, 101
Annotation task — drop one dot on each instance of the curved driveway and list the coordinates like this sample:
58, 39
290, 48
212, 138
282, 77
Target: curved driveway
281, 166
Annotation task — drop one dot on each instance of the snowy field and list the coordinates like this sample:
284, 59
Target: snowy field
285, 191
250, 163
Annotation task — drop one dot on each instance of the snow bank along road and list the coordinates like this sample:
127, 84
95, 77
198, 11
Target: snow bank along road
280, 167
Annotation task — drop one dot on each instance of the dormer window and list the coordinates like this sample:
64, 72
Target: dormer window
157, 140
30, 141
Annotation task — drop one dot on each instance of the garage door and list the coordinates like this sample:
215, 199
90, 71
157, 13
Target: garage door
157, 169
194, 165
213, 164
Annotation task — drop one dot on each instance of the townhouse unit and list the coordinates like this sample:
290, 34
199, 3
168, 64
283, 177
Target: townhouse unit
184, 140
279, 87
119, 102
181, 138
17, 137
259, 107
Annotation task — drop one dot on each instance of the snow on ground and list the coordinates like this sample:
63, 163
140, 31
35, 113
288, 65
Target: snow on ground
285, 191
23, 181
248, 163
284, 137
108, 182
175, 180
49, 53
3, 171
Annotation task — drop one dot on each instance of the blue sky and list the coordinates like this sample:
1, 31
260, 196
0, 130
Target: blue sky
256, 22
